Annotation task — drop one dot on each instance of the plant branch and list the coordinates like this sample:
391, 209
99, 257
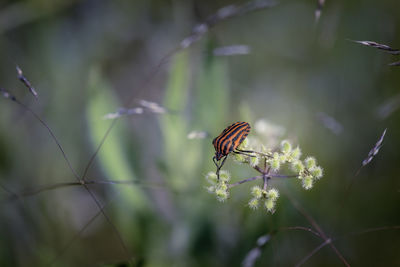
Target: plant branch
318, 228
257, 168
33, 192
306, 258
245, 181
283, 176
265, 178
301, 228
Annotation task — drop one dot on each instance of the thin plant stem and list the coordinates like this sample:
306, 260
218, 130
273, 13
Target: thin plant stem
245, 181
301, 228
33, 192
313, 252
282, 176
78, 178
265, 185
317, 227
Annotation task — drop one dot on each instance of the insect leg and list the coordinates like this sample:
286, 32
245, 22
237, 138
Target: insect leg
220, 166
244, 152
247, 151
215, 161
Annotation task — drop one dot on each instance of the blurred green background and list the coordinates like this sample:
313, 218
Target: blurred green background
88, 58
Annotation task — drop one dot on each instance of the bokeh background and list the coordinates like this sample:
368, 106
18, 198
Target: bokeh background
330, 96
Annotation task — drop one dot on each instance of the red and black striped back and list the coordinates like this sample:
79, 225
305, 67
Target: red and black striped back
230, 138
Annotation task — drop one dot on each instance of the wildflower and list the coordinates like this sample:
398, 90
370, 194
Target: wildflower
310, 162
272, 194
317, 172
224, 176
254, 161
221, 194
307, 182
297, 166
256, 191
270, 205
211, 177
286, 147
296, 153
253, 203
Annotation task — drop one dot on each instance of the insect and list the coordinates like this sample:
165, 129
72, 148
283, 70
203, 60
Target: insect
228, 141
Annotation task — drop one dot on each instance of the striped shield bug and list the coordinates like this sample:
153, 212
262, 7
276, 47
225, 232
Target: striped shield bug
228, 141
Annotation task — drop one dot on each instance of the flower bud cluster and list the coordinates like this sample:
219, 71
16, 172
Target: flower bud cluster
308, 171
219, 187
268, 197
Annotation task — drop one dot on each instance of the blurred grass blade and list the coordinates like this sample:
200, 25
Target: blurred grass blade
112, 156
372, 153
383, 47
318, 10
211, 106
174, 127
395, 63
255, 253
182, 156
212, 95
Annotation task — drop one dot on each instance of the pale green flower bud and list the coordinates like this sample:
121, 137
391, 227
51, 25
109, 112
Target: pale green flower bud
297, 166
296, 153
253, 203
286, 147
282, 158
275, 164
212, 177
270, 205
307, 182
256, 191
272, 194
254, 161
224, 176
223, 186
221, 194
240, 158
317, 172
310, 162
210, 189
